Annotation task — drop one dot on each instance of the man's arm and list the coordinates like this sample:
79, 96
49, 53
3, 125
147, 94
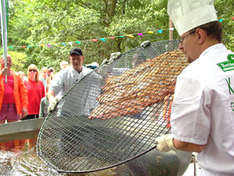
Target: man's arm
167, 142
189, 147
56, 84
53, 101
51, 95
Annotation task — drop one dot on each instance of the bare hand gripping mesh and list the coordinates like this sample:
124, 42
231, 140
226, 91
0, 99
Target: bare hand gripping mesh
132, 93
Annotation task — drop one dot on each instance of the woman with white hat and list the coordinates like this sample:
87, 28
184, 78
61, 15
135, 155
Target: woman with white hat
202, 118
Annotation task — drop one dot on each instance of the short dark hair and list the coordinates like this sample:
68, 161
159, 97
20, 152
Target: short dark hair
50, 69
213, 29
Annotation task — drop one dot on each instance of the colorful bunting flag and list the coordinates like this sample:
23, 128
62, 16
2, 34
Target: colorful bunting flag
50, 45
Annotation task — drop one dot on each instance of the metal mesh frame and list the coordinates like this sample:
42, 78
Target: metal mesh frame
69, 142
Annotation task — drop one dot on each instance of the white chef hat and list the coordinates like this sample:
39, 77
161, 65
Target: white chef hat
188, 14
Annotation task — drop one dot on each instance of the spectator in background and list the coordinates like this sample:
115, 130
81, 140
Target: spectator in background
65, 79
22, 76
36, 92
43, 77
50, 75
13, 94
63, 65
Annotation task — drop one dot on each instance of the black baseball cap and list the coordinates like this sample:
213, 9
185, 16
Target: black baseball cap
76, 51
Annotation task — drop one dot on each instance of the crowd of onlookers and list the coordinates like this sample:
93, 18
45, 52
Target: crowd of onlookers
21, 95
36, 93
24, 96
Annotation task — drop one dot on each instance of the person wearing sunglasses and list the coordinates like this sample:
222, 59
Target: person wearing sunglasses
202, 118
13, 94
36, 92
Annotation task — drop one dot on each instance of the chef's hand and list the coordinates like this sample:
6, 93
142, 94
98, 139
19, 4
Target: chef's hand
52, 104
165, 143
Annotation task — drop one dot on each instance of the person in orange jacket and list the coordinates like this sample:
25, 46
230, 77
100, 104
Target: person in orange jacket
13, 94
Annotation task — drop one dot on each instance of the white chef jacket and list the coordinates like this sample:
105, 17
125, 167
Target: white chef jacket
65, 79
203, 109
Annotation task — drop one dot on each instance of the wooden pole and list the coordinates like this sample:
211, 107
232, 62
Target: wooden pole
171, 29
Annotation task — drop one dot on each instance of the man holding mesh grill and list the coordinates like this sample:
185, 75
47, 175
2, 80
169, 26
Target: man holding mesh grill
202, 118
65, 79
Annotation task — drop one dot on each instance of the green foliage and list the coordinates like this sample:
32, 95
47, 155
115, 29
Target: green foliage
18, 61
225, 12
38, 23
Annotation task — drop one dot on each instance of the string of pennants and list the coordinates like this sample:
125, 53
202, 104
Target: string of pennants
80, 42
104, 39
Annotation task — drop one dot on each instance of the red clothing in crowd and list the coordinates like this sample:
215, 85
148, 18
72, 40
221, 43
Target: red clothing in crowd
19, 92
36, 92
9, 90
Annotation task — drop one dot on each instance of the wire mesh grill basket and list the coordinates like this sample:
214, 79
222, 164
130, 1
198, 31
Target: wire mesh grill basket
115, 113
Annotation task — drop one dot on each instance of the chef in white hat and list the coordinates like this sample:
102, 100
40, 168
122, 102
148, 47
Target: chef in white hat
202, 118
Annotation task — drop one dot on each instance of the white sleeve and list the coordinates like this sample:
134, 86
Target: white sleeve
190, 118
57, 83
